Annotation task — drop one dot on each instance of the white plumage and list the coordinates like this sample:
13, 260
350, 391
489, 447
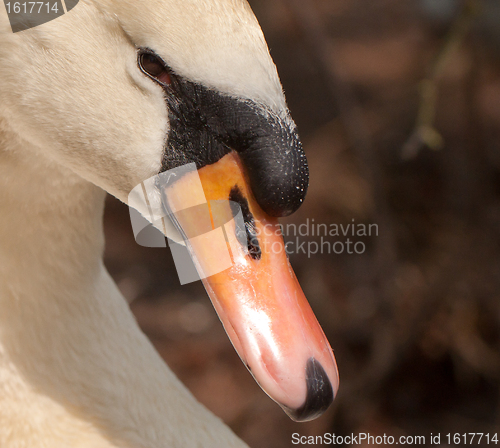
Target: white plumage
78, 118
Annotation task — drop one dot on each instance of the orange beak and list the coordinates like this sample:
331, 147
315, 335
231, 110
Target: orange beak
258, 297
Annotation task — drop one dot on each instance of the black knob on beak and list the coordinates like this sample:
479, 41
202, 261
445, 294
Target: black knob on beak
277, 167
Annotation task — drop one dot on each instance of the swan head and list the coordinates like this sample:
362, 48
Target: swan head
118, 91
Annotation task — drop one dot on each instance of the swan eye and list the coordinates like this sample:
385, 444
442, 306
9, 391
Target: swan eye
154, 67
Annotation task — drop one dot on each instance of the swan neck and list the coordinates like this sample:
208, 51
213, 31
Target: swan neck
75, 369
51, 218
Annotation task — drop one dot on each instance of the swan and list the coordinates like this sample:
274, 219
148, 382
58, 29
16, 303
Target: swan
96, 101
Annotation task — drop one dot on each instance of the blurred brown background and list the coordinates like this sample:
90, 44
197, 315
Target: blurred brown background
415, 320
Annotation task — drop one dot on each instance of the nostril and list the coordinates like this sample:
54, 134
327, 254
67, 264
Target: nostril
319, 393
250, 233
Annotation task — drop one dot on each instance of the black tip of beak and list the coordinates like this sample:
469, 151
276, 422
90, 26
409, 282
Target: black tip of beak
319, 394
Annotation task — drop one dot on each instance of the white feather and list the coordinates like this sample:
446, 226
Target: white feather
78, 117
